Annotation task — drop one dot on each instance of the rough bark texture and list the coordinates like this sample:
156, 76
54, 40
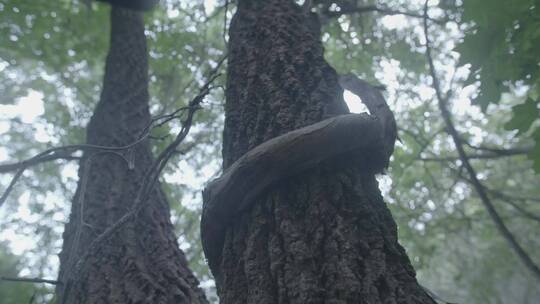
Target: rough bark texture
324, 235
279, 158
142, 263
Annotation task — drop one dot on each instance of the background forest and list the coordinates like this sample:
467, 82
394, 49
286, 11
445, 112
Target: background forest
485, 66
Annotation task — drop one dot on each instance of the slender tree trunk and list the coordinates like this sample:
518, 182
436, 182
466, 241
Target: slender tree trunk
325, 235
142, 262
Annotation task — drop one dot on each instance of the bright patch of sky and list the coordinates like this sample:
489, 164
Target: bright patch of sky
69, 171
209, 6
395, 22
27, 108
354, 102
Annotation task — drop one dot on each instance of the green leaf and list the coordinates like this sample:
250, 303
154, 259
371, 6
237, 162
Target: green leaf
523, 116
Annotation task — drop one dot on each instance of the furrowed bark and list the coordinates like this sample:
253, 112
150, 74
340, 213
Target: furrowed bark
324, 234
142, 262
276, 159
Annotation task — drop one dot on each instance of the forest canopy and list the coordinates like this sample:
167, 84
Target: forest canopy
461, 77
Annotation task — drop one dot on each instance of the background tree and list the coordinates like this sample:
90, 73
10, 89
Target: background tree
141, 261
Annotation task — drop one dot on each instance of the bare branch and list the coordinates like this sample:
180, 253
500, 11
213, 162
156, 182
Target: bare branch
29, 280
11, 185
526, 213
63, 155
376, 9
501, 151
447, 117
505, 197
509, 199
486, 155
150, 178
421, 141
23, 165
65, 152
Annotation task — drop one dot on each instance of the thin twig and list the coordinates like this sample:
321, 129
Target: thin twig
487, 155
514, 197
509, 199
504, 197
150, 178
526, 213
11, 185
420, 141
377, 9
32, 298
447, 117
29, 280
500, 151
66, 152
5, 168
50, 154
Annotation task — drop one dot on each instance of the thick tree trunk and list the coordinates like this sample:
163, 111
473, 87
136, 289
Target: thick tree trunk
142, 262
324, 235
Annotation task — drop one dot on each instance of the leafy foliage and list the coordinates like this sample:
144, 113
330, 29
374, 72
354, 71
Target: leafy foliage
57, 48
501, 45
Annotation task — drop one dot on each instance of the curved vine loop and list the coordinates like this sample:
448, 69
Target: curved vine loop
371, 137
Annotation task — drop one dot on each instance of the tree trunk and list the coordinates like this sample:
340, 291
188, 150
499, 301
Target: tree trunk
324, 235
142, 262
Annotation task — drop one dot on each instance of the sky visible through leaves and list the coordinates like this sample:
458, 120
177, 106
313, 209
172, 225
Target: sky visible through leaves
486, 58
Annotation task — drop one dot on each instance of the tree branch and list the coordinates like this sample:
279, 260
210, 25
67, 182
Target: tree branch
150, 178
507, 198
376, 9
526, 213
487, 155
447, 117
64, 155
65, 152
29, 280
501, 151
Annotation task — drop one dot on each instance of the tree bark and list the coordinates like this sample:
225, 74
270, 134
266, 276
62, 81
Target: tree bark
323, 235
142, 262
